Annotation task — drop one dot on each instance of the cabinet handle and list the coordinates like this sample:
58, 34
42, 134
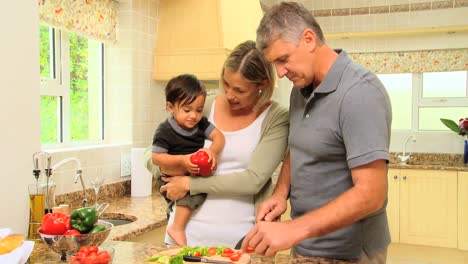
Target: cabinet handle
404, 177
395, 177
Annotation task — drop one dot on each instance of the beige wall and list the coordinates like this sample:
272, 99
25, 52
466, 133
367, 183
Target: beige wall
134, 102
19, 110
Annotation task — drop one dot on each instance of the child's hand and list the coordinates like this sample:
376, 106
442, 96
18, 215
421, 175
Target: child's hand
212, 157
189, 166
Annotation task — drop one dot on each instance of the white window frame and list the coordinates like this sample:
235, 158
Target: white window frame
440, 141
60, 87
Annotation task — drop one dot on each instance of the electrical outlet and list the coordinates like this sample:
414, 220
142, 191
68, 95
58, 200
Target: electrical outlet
125, 164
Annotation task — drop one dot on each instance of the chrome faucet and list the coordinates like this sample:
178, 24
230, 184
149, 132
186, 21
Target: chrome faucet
404, 157
79, 175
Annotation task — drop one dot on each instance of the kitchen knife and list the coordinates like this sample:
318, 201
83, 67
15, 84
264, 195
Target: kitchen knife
205, 260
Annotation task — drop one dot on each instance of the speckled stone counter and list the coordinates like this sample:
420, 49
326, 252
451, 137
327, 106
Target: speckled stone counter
130, 252
431, 161
147, 213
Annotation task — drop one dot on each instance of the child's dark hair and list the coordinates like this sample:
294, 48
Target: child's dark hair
184, 89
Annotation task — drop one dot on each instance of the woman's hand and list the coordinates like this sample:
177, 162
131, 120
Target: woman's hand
177, 187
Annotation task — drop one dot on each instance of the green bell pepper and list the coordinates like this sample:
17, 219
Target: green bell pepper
83, 219
97, 228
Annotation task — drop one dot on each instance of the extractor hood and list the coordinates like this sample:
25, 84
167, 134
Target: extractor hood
195, 36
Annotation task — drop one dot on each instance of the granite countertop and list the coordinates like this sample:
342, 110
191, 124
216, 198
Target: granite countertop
431, 161
456, 167
148, 213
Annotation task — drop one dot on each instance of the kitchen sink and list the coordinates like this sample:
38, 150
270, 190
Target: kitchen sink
116, 222
117, 218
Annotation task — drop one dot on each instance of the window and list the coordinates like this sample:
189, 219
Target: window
71, 69
419, 100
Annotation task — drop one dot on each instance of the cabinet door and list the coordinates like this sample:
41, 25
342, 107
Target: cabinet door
463, 210
393, 204
428, 207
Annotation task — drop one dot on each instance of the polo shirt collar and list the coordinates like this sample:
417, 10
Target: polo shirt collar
333, 77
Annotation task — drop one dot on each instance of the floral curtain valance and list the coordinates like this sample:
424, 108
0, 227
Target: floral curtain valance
96, 19
414, 61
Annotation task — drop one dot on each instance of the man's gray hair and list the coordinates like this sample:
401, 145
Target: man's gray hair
287, 21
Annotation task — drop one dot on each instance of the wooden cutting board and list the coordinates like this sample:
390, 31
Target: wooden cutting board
245, 258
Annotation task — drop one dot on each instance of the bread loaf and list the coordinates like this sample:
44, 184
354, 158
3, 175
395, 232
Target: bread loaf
10, 243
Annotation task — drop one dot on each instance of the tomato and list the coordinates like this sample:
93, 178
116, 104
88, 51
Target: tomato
212, 251
236, 256
72, 232
91, 255
93, 249
197, 254
201, 159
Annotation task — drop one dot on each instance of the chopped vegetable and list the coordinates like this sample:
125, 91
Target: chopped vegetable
196, 252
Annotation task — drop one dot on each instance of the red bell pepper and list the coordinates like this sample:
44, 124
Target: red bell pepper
55, 224
201, 159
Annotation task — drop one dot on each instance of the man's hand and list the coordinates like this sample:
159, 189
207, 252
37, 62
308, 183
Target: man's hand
267, 238
177, 187
271, 209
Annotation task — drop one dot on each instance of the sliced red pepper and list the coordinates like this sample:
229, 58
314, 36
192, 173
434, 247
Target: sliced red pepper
226, 255
197, 254
236, 256
228, 250
249, 250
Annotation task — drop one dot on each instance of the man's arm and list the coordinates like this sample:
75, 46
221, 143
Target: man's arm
364, 198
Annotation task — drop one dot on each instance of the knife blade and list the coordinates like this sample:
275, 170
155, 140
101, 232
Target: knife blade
205, 260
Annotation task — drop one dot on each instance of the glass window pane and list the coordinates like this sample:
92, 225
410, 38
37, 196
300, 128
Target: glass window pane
429, 117
50, 116
85, 89
399, 88
444, 84
46, 55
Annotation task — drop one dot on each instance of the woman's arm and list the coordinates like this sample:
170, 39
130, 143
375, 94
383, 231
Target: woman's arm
268, 154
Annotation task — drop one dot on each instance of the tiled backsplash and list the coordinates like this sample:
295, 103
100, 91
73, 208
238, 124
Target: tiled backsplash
414, 61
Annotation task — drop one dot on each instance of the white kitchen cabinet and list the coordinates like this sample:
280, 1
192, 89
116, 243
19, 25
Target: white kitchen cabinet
422, 207
463, 210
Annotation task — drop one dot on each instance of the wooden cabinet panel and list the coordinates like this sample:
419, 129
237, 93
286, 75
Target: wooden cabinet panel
463, 210
393, 204
428, 207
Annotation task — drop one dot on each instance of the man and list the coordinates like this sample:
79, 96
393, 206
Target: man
335, 173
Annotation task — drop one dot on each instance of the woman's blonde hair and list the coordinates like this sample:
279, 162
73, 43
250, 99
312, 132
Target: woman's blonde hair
251, 64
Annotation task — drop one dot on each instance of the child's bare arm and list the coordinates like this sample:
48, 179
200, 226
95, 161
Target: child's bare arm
218, 141
216, 147
173, 164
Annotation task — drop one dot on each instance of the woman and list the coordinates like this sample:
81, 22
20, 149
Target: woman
256, 130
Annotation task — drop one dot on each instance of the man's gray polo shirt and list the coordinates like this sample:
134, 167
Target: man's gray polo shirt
344, 123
